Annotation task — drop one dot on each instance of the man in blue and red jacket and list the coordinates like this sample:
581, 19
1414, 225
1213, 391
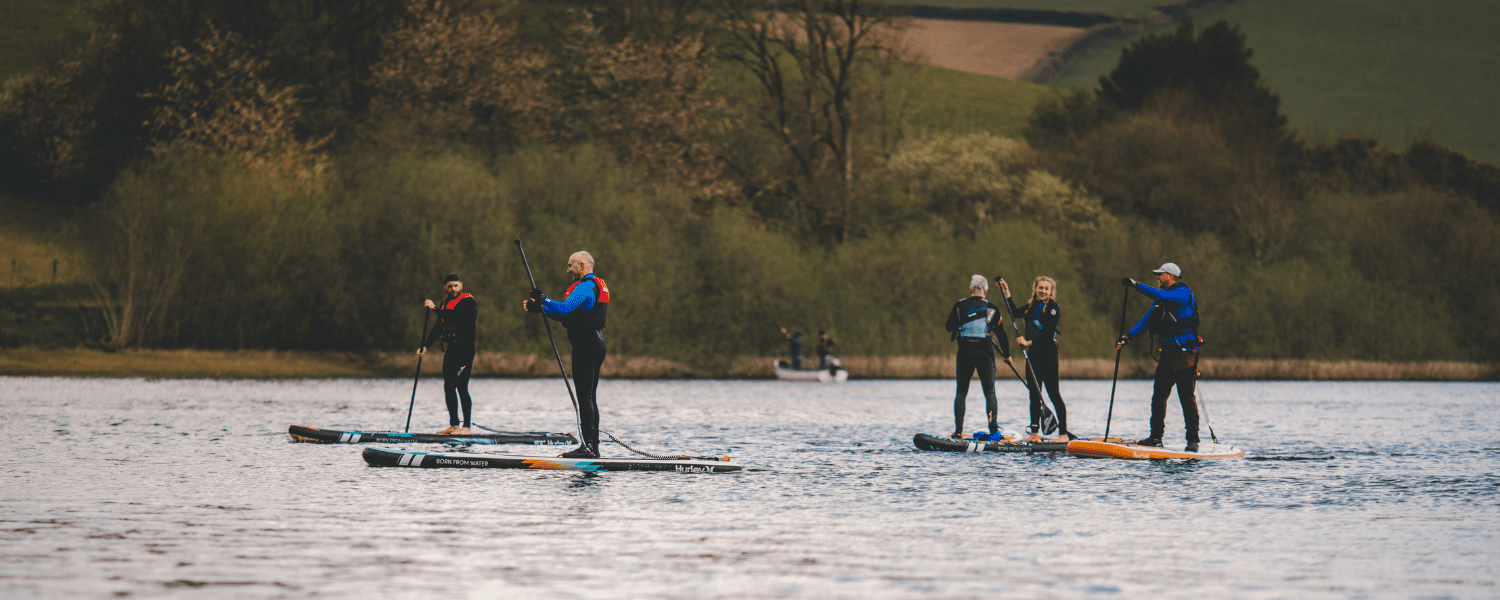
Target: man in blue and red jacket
583, 310
1174, 318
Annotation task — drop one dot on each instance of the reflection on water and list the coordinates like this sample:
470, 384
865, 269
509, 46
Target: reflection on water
1348, 490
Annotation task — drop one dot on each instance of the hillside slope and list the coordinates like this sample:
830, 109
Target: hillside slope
1378, 68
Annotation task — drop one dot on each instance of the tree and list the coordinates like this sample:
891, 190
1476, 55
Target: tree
821, 68
1185, 132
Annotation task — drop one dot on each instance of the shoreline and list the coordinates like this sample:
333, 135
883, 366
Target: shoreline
282, 364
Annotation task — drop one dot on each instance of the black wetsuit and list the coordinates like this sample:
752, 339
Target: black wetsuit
1041, 365
583, 311
796, 342
824, 348
971, 320
455, 327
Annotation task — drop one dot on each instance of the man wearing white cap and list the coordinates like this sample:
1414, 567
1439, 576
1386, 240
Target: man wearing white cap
1174, 318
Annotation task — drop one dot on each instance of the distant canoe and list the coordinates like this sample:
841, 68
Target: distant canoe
314, 435
786, 372
1101, 449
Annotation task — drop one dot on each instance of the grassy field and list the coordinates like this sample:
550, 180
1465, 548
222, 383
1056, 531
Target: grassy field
32, 235
946, 100
1377, 68
24, 24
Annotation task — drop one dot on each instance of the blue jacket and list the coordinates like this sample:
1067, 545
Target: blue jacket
582, 296
1180, 302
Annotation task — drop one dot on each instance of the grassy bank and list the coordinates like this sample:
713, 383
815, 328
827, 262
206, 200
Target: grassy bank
292, 365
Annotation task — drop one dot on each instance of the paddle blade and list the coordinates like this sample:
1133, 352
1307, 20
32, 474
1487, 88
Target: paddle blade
1049, 421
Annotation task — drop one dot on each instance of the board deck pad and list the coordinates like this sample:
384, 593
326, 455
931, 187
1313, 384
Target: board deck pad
395, 457
314, 435
1113, 449
948, 444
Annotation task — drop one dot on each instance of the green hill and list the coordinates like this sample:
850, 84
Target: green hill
945, 100
1378, 68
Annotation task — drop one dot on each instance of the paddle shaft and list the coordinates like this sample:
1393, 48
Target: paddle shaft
1203, 406
418, 376
1110, 415
576, 412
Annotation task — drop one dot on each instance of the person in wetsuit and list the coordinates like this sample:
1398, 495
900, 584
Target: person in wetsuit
824, 348
455, 327
1041, 316
583, 310
970, 321
1174, 318
795, 339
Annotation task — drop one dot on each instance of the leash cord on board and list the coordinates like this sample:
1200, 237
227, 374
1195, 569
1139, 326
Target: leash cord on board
627, 447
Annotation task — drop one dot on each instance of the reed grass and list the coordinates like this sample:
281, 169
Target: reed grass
273, 364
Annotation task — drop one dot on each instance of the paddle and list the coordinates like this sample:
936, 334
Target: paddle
1203, 408
418, 377
577, 414
1049, 420
1123, 302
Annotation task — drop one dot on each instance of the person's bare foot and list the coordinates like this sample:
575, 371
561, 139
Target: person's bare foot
448, 431
1033, 438
1066, 437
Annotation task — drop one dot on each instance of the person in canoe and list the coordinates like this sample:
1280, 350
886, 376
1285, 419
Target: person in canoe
582, 312
970, 321
455, 328
795, 340
1174, 318
1041, 316
824, 348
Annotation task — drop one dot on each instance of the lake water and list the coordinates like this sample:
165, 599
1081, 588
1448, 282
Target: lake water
191, 488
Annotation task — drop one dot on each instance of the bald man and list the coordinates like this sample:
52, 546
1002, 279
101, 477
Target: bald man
582, 311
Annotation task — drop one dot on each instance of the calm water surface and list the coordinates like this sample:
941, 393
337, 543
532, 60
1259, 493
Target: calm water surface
167, 488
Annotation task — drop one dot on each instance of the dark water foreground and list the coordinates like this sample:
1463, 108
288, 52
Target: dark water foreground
189, 488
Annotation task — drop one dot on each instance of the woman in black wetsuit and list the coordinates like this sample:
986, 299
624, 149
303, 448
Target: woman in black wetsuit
970, 321
1041, 316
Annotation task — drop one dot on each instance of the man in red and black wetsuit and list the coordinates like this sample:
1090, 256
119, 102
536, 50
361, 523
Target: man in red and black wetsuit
455, 327
582, 311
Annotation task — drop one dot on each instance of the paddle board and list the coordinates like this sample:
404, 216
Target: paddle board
1101, 449
393, 457
948, 444
314, 435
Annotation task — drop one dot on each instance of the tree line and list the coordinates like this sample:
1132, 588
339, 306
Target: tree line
298, 174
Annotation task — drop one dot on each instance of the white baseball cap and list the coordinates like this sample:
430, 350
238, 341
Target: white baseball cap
1169, 268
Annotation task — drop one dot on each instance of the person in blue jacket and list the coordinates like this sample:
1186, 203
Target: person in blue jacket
583, 310
1174, 318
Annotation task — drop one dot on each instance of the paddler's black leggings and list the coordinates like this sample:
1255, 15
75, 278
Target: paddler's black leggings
1042, 369
1179, 369
972, 357
588, 357
458, 361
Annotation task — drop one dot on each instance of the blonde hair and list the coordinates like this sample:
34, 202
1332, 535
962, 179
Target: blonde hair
1037, 282
979, 285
